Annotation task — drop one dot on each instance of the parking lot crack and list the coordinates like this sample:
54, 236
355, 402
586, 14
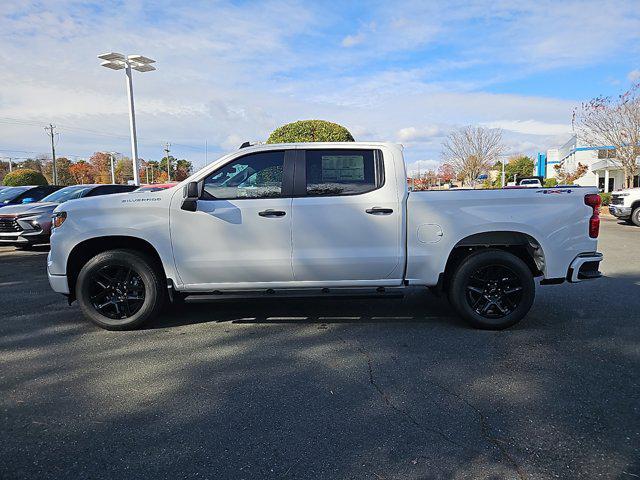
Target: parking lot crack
391, 404
485, 429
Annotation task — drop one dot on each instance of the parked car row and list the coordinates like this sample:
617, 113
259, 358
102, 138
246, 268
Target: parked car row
25, 212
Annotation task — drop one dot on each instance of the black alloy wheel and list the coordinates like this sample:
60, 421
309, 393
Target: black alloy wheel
494, 291
121, 289
116, 291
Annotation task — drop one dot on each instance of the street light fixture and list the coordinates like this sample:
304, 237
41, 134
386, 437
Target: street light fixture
140, 63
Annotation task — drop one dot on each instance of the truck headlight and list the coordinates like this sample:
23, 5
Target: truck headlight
58, 219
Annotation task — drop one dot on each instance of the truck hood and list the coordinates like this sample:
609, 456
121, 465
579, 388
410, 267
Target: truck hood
36, 208
631, 191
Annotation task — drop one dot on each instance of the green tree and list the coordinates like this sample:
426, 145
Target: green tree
62, 171
123, 170
101, 164
521, 166
180, 169
310, 131
24, 176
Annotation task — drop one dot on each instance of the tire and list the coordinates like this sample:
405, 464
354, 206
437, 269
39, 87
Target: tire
492, 289
120, 289
635, 217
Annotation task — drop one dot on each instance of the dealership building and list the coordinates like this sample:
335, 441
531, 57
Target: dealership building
603, 170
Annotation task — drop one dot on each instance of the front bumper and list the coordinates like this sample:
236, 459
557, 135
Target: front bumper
620, 212
58, 283
23, 238
585, 267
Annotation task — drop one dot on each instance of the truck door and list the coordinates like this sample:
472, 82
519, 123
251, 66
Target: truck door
241, 231
347, 218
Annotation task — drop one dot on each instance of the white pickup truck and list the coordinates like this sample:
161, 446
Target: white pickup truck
625, 205
323, 218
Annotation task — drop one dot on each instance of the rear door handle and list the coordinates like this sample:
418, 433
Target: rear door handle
272, 213
379, 211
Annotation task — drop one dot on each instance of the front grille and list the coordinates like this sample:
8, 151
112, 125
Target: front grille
617, 200
8, 225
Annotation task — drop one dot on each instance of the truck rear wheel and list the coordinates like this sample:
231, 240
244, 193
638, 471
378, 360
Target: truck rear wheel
120, 289
492, 289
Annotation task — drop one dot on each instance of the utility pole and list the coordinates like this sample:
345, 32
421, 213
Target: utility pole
502, 173
51, 132
113, 173
166, 152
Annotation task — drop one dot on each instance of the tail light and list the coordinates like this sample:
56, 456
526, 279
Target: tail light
593, 200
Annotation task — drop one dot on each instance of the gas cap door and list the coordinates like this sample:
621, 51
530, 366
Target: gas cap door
430, 233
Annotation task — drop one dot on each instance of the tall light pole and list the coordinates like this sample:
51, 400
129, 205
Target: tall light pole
117, 61
113, 171
166, 149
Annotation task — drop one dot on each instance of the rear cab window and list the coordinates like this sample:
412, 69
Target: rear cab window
343, 171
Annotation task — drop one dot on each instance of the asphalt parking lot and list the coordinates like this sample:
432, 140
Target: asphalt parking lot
328, 388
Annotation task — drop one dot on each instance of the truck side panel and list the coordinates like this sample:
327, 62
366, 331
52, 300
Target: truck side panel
557, 219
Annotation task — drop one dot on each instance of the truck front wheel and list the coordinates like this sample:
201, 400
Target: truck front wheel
120, 289
492, 289
635, 217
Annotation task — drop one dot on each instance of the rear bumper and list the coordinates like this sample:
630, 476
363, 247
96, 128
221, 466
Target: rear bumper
620, 212
585, 267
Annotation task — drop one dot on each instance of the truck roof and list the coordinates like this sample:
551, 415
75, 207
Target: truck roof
275, 146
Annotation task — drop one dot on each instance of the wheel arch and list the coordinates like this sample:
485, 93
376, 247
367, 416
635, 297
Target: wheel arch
87, 249
520, 244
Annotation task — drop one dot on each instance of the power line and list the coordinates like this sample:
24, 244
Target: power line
74, 128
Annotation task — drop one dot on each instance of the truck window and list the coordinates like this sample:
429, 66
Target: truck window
342, 172
257, 175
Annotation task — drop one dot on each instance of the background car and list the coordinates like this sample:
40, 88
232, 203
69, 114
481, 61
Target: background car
29, 224
25, 194
155, 187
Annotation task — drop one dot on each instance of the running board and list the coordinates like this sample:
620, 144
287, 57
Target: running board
348, 293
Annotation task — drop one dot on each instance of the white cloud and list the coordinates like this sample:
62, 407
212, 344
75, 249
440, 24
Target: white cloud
411, 134
351, 40
421, 166
530, 127
634, 76
226, 75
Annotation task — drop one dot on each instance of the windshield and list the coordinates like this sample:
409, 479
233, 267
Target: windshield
67, 193
8, 194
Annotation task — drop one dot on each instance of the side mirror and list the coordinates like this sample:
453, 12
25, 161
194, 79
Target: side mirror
191, 193
28, 200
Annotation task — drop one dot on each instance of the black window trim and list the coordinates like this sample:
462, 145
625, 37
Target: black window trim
300, 179
288, 168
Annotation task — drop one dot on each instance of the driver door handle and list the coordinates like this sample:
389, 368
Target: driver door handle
272, 213
379, 211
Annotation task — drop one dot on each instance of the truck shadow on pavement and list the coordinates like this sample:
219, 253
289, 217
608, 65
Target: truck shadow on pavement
416, 307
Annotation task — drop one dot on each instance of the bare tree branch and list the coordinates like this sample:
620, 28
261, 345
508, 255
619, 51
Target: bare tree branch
471, 151
605, 121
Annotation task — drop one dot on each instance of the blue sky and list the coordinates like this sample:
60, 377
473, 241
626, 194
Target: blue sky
404, 71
